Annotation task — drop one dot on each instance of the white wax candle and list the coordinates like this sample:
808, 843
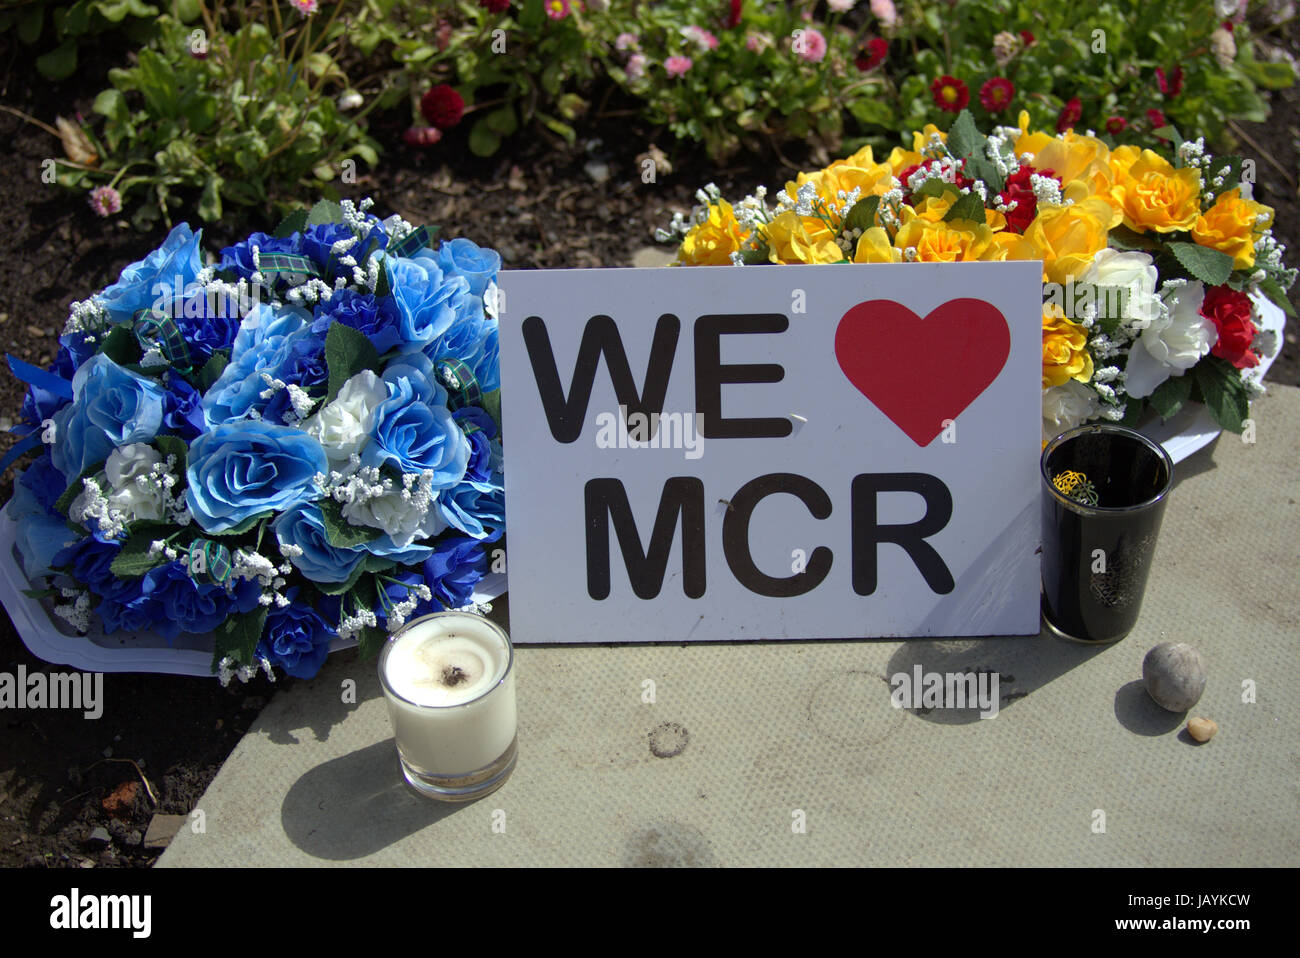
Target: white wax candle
451, 693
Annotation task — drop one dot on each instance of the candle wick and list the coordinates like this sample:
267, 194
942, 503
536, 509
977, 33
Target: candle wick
453, 675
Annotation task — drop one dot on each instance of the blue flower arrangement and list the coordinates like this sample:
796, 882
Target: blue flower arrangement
296, 443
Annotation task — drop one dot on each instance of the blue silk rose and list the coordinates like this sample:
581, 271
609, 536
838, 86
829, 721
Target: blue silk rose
240, 469
111, 407
173, 265
413, 428
462, 257
304, 527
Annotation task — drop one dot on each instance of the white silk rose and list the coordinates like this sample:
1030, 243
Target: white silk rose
1133, 277
1067, 406
135, 490
343, 426
1173, 343
401, 516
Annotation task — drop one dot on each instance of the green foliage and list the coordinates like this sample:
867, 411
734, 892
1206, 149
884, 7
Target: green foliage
246, 116
59, 30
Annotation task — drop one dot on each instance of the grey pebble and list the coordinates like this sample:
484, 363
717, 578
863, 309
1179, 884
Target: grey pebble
1174, 675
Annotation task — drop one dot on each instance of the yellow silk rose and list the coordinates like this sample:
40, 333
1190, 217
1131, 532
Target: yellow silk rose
1010, 246
1028, 142
712, 242
795, 239
956, 241
1065, 349
1153, 195
1232, 225
874, 247
1067, 237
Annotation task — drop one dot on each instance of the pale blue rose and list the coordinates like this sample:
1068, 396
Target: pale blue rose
413, 428
462, 257
240, 469
428, 300
40, 534
264, 344
304, 526
111, 407
177, 259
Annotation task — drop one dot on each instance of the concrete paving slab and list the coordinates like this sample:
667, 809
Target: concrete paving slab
792, 753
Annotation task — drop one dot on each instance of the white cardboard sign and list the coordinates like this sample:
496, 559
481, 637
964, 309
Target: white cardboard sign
772, 452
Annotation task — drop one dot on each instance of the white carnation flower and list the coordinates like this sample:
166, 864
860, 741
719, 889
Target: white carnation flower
1133, 276
136, 491
343, 426
403, 518
1172, 344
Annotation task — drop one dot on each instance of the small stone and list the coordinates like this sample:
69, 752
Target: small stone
162, 829
598, 170
1202, 729
34, 330
1174, 675
121, 800
134, 838
108, 752
99, 836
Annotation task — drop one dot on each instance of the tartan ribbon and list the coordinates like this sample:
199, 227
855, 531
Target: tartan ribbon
458, 379
159, 331
215, 564
287, 265
414, 241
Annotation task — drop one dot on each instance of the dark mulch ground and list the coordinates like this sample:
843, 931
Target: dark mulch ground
539, 206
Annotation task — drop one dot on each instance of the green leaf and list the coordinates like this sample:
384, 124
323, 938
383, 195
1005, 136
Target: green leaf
29, 27
1170, 395
964, 138
60, 63
326, 211
295, 222
1274, 291
933, 187
969, 206
112, 104
863, 215
491, 404
120, 345
74, 489
347, 352
43, 593
371, 641
341, 533
482, 140
212, 369
134, 559
239, 528
502, 121
556, 126
174, 446
238, 636
1123, 238
1208, 265
1224, 395
210, 201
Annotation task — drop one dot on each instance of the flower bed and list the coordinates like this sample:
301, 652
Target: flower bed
1149, 266
293, 446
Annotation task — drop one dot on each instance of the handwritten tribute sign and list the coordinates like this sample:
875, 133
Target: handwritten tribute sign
772, 452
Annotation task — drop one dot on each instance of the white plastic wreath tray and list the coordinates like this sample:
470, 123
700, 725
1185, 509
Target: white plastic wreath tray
48, 637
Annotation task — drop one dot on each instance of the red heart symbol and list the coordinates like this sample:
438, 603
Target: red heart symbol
919, 372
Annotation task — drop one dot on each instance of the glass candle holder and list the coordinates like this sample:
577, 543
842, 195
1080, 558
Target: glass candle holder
449, 681
1104, 494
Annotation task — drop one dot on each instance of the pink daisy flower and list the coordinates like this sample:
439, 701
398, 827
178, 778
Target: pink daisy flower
677, 66
105, 201
810, 45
